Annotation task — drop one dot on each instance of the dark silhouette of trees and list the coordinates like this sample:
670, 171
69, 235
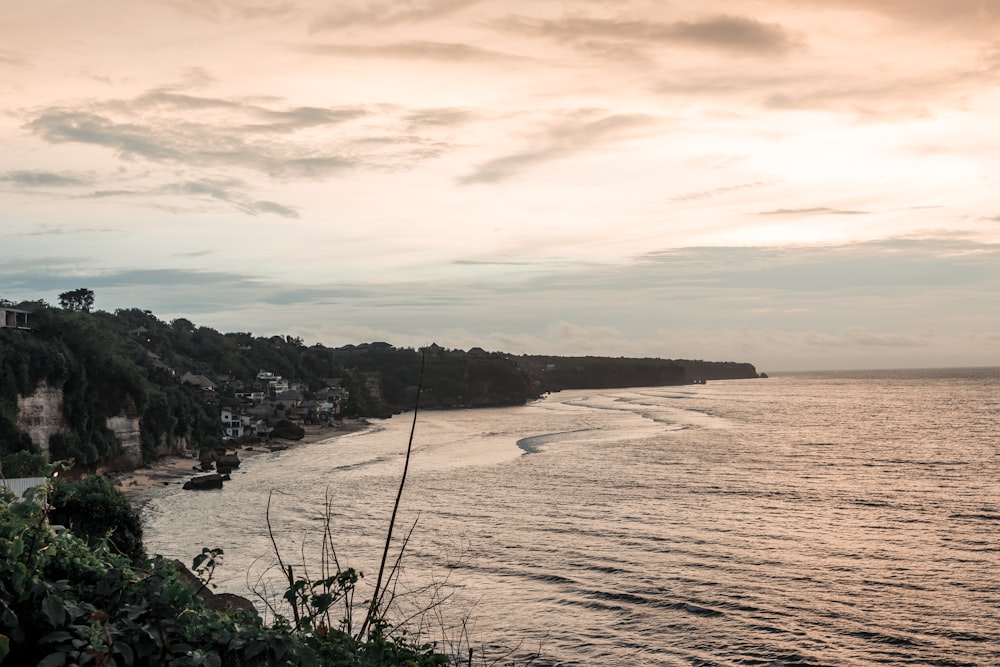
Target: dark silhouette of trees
79, 299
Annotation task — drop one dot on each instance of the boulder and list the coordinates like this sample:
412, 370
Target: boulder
201, 482
227, 463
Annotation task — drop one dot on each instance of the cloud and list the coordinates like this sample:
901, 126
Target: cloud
828, 80
163, 126
571, 136
447, 117
11, 59
733, 34
714, 192
44, 179
425, 50
218, 11
271, 207
494, 262
263, 10
53, 230
231, 191
981, 14
347, 14
887, 94
812, 211
888, 303
256, 118
858, 336
130, 140
884, 267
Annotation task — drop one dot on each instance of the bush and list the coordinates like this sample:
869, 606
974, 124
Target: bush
63, 602
288, 430
24, 464
93, 509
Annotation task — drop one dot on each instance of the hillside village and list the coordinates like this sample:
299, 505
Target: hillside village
252, 406
119, 390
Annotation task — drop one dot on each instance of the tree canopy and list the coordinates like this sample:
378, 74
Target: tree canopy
78, 299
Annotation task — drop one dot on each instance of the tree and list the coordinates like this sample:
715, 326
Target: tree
94, 509
79, 299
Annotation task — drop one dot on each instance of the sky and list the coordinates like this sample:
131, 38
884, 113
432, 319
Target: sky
798, 184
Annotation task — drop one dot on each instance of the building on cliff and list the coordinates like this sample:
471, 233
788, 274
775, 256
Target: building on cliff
19, 485
14, 318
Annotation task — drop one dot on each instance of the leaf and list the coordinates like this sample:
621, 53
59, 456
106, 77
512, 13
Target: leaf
53, 660
55, 637
125, 651
4, 646
54, 612
8, 618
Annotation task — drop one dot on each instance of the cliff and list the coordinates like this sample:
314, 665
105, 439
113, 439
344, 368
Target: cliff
552, 373
716, 370
40, 415
108, 390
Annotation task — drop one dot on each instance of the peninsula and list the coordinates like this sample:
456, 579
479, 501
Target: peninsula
119, 391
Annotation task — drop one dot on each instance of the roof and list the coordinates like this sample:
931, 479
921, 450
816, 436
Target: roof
198, 381
21, 484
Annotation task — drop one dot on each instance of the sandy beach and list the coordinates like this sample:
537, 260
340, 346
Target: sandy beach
178, 469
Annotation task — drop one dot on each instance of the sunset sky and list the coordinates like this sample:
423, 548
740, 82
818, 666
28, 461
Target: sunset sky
801, 184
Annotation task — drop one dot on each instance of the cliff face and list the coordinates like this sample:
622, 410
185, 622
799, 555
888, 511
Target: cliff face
126, 430
717, 370
554, 373
173, 446
40, 415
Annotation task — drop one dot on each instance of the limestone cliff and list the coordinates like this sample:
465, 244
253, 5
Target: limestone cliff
40, 415
126, 430
173, 446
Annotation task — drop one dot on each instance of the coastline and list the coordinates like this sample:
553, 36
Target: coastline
135, 484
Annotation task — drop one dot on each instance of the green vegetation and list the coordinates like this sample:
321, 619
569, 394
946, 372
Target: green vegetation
78, 299
129, 363
66, 602
93, 510
24, 464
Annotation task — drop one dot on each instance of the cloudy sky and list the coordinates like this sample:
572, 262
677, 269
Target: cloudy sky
802, 184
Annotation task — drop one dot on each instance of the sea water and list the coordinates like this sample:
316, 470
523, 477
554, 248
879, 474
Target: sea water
804, 519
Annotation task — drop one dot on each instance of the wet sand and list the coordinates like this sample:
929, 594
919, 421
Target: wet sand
178, 469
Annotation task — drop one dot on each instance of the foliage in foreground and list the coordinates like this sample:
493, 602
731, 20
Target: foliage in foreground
93, 509
63, 602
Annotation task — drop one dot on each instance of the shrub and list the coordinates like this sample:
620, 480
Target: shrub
64, 602
288, 430
93, 509
24, 464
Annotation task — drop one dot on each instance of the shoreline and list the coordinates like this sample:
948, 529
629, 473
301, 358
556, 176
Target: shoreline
136, 484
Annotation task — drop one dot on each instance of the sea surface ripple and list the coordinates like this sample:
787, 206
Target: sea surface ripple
806, 519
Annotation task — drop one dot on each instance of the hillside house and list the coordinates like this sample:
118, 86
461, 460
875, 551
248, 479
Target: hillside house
237, 425
289, 398
273, 384
19, 485
14, 318
199, 381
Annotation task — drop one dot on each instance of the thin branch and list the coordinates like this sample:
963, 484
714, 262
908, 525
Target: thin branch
286, 570
376, 595
394, 572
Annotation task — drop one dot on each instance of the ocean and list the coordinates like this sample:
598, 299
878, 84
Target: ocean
805, 519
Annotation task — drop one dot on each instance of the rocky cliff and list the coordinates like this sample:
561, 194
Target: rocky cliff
127, 433
40, 415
